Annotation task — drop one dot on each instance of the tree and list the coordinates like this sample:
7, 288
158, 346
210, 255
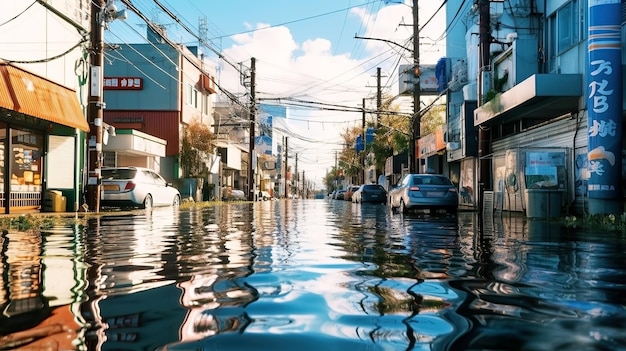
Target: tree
196, 146
330, 181
349, 159
432, 119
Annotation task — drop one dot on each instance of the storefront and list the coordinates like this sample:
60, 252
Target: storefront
42, 129
533, 180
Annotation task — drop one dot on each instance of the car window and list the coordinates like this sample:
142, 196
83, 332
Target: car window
158, 180
145, 177
118, 174
406, 180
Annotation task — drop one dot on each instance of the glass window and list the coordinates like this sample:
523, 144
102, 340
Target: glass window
26, 153
567, 27
189, 93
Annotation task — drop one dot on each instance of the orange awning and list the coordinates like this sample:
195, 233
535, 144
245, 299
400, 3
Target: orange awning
32, 95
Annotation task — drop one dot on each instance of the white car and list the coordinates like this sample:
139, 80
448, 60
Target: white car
136, 187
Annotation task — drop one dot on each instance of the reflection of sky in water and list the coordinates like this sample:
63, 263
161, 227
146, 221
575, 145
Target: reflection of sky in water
326, 274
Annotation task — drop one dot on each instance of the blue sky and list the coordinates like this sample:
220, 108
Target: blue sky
305, 50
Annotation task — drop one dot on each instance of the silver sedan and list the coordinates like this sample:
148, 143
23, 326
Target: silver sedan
431, 192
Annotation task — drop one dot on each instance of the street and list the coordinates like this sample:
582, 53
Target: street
312, 275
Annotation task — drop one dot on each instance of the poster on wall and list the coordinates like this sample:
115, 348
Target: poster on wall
467, 186
513, 199
545, 170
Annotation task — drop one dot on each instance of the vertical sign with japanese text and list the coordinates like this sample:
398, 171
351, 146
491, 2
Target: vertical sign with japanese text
604, 100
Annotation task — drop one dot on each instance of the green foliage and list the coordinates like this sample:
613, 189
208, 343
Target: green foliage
608, 222
36, 222
330, 181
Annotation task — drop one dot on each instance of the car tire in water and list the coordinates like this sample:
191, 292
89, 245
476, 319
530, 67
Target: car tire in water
403, 209
147, 202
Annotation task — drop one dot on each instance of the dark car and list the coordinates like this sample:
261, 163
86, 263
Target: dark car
340, 194
433, 192
370, 193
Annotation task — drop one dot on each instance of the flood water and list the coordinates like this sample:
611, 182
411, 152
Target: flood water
313, 275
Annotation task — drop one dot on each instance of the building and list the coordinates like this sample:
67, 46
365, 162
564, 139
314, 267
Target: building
43, 97
153, 93
520, 85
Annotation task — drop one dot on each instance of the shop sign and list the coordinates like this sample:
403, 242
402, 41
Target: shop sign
123, 83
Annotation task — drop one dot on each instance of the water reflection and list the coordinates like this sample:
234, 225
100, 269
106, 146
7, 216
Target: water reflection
310, 275
37, 303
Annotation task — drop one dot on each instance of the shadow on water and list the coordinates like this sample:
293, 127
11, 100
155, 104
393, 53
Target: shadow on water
312, 275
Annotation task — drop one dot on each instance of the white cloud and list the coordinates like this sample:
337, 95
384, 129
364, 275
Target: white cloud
309, 70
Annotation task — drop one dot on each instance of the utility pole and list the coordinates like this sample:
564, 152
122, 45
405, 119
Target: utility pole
286, 166
379, 94
484, 146
363, 139
416, 118
296, 176
252, 114
101, 14
95, 107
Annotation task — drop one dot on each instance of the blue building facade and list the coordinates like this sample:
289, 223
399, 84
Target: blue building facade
158, 89
524, 115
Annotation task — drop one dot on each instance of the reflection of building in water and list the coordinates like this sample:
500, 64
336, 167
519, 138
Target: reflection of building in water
27, 320
24, 305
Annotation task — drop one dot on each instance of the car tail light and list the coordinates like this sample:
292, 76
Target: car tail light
414, 188
129, 186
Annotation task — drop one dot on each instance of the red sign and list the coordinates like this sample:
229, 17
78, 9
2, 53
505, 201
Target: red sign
123, 83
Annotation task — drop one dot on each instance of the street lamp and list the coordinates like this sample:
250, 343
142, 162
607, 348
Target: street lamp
101, 15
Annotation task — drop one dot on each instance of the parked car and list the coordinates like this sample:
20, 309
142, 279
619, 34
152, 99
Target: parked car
433, 192
136, 187
370, 193
349, 192
264, 196
339, 195
235, 195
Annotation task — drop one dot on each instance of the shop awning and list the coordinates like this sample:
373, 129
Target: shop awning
539, 97
32, 95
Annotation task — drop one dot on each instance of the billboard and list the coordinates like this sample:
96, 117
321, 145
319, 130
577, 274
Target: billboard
429, 85
265, 143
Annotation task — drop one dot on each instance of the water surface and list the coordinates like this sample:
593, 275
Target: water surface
312, 275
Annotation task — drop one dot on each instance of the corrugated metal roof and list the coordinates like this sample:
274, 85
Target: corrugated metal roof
32, 95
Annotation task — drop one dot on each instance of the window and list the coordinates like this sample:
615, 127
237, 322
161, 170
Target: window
189, 93
567, 27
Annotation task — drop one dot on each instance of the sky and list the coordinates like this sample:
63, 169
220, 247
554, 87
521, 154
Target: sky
307, 57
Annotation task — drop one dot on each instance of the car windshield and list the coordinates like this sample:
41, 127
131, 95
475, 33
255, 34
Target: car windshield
125, 173
432, 180
373, 187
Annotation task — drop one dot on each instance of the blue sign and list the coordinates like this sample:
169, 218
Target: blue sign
359, 146
604, 100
